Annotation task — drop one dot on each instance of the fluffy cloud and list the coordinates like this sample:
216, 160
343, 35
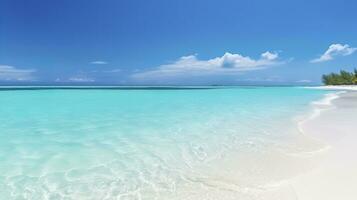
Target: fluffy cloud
10, 73
226, 64
99, 62
333, 51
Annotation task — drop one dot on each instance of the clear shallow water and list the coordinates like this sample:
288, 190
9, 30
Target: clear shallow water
225, 143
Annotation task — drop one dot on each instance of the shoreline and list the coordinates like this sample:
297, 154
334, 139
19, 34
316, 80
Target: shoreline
317, 108
336, 87
332, 121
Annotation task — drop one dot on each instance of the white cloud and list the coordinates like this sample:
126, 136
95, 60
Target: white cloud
269, 56
227, 64
99, 62
80, 79
333, 51
263, 79
303, 81
11, 73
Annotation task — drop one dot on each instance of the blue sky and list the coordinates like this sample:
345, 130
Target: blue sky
175, 42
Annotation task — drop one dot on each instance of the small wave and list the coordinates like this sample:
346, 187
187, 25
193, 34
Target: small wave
318, 107
322, 105
328, 98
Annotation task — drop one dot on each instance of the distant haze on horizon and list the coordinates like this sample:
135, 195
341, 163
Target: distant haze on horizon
183, 42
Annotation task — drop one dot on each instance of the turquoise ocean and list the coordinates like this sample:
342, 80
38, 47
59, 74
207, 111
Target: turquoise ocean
151, 143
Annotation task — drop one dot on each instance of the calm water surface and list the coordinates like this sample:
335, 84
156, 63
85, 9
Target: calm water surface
224, 143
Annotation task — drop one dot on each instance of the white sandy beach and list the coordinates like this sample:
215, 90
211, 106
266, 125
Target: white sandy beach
336, 176
337, 87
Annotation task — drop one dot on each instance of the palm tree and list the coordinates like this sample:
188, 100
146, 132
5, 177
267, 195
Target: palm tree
355, 77
342, 78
